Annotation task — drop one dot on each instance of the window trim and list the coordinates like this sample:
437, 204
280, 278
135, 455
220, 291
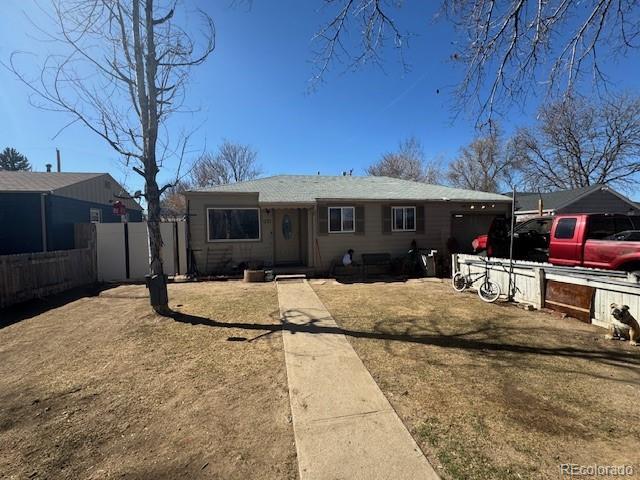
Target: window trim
404, 219
227, 240
99, 210
342, 230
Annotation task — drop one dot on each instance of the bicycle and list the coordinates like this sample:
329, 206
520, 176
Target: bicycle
488, 291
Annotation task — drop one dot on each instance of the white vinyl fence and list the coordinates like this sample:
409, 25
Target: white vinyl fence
123, 250
529, 282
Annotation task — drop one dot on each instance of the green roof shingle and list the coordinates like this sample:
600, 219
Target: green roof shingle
309, 188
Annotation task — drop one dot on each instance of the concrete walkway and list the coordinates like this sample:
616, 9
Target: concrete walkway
345, 428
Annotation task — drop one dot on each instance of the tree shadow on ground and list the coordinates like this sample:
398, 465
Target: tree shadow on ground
31, 308
491, 344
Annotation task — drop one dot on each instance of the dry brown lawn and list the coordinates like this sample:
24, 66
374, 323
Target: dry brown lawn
492, 391
101, 388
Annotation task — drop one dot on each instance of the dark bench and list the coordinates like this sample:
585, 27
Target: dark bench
378, 260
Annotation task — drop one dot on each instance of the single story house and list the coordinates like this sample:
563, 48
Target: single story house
309, 221
38, 210
596, 198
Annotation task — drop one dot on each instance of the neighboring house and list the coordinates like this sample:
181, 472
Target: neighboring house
312, 220
592, 199
38, 210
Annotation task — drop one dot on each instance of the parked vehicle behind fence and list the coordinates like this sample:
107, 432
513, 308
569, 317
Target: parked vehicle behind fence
596, 241
607, 241
530, 242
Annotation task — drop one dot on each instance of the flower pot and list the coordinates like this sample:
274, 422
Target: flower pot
254, 275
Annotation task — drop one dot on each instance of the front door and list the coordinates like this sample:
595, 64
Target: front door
287, 236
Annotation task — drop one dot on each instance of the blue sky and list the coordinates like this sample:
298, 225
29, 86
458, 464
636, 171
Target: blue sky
254, 90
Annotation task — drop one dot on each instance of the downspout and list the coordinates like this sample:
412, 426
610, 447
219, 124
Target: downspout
43, 220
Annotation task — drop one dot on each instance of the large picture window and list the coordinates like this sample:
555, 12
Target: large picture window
404, 219
233, 224
341, 219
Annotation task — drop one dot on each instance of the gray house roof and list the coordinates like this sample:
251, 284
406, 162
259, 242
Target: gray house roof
309, 188
526, 202
40, 181
64, 184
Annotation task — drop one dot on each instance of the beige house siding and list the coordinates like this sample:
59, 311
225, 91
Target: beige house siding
101, 189
320, 249
437, 230
209, 255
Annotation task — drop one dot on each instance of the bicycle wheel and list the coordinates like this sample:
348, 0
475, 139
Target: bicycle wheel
459, 282
489, 291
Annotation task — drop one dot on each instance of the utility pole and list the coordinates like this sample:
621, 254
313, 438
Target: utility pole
513, 225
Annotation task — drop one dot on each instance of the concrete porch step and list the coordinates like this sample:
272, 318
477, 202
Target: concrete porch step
290, 277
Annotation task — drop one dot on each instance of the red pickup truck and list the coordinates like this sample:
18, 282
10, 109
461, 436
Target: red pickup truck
596, 241
608, 241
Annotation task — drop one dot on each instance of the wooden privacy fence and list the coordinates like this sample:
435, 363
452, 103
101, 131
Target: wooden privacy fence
35, 275
583, 293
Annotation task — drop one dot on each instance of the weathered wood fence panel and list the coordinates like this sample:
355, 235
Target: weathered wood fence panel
36, 275
529, 281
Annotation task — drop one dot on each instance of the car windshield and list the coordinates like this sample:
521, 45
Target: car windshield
541, 226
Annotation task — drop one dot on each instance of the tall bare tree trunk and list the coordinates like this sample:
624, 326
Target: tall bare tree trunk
146, 67
140, 66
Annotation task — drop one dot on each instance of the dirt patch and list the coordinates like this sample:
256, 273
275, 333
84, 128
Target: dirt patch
101, 388
492, 391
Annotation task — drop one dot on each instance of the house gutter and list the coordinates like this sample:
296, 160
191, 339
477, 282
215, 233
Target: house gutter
408, 200
531, 212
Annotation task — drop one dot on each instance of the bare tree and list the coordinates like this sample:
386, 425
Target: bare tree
579, 143
408, 163
507, 48
483, 166
511, 47
123, 72
372, 21
173, 205
233, 162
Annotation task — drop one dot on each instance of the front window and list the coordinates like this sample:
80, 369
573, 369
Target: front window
404, 219
233, 224
341, 219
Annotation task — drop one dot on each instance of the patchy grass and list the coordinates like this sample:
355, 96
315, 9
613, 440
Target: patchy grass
102, 388
490, 391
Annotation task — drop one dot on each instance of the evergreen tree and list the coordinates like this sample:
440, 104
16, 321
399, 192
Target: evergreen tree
11, 159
